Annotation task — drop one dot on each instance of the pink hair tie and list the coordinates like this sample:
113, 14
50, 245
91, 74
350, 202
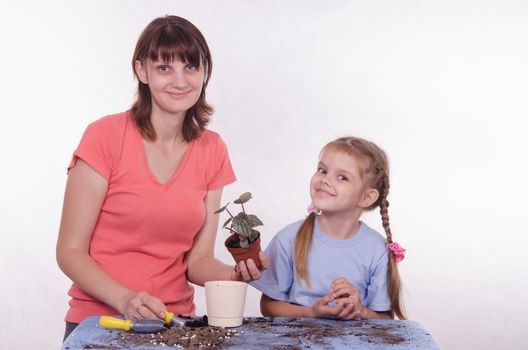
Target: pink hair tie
312, 209
397, 250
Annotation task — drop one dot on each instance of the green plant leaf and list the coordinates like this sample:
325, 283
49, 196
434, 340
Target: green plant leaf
254, 235
244, 197
254, 220
227, 222
241, 216
242, 225
221, 209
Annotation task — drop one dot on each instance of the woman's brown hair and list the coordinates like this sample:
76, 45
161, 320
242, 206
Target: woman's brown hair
376, 172
172, 38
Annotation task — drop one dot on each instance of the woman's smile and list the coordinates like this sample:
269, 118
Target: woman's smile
178, 95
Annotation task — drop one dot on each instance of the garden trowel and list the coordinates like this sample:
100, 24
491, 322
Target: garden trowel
181, 321
141, 326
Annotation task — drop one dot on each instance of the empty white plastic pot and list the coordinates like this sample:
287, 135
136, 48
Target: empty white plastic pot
225, 302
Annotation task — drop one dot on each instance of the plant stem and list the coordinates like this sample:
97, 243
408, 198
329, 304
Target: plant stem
244, 210
229, 213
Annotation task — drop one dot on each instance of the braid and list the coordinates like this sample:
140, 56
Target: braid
384, 206
394, 275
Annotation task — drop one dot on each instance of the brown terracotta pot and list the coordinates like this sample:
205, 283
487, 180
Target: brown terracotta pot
240, 254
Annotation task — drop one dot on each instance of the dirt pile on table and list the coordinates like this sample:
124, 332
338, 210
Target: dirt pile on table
188, 338
318, 333
287, 333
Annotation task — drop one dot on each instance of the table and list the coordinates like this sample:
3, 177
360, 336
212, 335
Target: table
263, 333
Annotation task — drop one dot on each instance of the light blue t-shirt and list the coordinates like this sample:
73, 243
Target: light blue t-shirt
362, 260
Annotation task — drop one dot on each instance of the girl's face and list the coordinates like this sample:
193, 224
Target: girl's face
337, 186
174, 86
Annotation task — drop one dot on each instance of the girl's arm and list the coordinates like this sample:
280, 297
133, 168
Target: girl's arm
272, 307
202, 265
352, 310
83, 199
371, 314
277, 308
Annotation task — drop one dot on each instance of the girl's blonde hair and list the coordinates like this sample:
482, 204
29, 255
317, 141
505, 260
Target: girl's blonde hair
375, 171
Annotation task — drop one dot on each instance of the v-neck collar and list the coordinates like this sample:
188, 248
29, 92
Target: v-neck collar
146, 166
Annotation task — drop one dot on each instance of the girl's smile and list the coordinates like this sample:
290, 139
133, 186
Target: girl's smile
319, 191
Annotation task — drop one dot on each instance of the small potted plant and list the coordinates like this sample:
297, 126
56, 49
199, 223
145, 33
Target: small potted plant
244, 241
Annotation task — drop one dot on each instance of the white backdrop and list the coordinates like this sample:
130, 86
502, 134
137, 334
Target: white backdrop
441, 85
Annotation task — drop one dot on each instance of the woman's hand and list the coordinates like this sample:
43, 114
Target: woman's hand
247, 270
347, 299
142, 305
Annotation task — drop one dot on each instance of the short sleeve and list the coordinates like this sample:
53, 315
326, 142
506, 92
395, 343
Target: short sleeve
98, 147
377, 289
222, 172
276, 281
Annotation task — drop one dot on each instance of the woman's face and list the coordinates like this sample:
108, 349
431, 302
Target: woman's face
174, 86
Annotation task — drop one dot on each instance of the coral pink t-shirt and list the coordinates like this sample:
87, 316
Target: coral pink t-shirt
145, 227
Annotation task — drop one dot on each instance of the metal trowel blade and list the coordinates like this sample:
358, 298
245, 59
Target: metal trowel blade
146, 325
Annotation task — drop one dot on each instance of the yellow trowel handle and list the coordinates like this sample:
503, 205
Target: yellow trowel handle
112, 322
168, 316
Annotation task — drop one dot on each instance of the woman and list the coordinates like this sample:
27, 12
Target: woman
137, 223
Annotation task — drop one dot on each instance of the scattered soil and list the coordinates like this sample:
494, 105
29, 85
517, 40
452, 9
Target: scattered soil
188, 338
378, 334
100, 347
305, 333
319, 334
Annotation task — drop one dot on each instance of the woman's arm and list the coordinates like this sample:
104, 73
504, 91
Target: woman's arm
202, 266
201, 263
83, 199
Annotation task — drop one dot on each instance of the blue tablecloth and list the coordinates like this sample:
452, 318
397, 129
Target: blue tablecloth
276, 333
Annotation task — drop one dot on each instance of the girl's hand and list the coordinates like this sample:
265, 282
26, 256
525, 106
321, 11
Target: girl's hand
247, 270
142, 305
347, 299
322, 309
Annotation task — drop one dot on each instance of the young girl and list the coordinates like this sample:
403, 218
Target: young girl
331, 264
